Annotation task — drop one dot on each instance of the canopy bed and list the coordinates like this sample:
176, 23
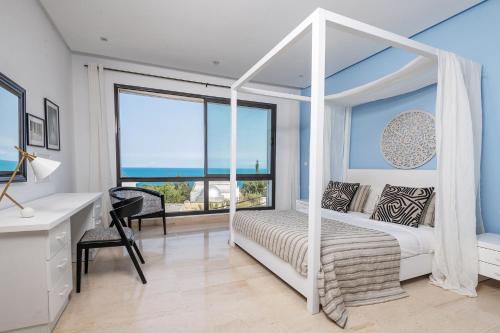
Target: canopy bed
454, 263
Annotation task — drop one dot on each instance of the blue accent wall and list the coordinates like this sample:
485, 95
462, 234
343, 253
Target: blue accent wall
368, 121
472, 34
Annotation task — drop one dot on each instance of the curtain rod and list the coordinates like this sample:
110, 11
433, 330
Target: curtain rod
206, 84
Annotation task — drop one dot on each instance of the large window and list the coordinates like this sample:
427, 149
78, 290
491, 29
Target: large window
179, 145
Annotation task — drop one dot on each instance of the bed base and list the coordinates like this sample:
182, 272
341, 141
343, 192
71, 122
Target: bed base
275, 264
410, 267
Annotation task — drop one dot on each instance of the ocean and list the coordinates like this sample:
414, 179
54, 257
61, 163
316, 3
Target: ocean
7, 165
181, 172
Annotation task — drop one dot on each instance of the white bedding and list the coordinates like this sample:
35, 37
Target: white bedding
413, 241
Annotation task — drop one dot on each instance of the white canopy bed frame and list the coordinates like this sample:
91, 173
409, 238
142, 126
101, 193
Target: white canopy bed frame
424, 71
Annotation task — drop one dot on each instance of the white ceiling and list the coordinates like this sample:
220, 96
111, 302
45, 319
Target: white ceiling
191, 34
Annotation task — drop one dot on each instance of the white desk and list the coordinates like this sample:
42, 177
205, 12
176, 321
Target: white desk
36, 255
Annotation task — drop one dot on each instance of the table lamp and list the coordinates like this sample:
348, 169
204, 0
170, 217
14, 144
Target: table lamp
41, 167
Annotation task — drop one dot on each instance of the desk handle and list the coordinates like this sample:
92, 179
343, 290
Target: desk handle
66, 287
61, 236
63, 263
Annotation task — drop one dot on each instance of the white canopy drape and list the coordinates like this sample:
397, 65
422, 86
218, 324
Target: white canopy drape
327, 147
339, 141
458, 136
420, 72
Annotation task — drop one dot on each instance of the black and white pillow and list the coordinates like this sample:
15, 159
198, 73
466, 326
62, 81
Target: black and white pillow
338, 196
402, 205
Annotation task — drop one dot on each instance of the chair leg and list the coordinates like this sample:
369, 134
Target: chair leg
138, 253
140, 222
129, 222
86, 260
78, 267
164, 224
136, 263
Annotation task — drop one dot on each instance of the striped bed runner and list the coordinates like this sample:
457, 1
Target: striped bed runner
359, 266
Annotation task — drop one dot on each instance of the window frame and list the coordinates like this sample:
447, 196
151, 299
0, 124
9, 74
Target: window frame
207, 177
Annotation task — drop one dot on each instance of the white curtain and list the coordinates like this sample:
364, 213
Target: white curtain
458, 139
338, 142
347, 141
327, 147
294, 159
100, 177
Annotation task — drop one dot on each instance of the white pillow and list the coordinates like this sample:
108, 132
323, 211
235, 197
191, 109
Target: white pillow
372, 200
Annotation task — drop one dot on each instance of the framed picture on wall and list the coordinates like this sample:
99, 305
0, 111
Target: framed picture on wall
52, 129
36, 130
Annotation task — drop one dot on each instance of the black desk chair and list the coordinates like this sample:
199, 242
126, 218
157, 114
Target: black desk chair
153, 206
119, 235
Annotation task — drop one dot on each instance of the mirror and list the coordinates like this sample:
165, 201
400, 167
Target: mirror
12, 115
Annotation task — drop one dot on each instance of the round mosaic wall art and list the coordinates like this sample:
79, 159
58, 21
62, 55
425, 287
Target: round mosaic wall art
409, 139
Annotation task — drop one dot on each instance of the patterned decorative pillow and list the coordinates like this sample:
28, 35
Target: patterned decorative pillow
358, 201
372, 200
402, 205
338, 196
429, 211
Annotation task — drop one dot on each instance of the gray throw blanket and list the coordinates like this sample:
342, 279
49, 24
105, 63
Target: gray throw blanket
359, 266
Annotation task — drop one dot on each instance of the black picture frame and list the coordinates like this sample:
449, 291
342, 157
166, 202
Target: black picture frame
52, 125
30, 140
20, 92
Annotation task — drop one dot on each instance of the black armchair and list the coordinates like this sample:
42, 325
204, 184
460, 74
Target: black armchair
153, 205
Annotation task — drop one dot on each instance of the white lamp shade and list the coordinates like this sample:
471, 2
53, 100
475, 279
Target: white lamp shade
42, 167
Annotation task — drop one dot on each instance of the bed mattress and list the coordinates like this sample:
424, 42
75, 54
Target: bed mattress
412, 241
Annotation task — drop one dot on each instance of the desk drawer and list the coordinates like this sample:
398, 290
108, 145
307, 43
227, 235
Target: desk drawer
489, 270
96, 222
97, 209
59, 238
59, 295
490, 256
58, 267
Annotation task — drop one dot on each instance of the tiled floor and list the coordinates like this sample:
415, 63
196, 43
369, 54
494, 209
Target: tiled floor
197, 283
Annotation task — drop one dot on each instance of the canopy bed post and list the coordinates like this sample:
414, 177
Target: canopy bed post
232, 171
316, 158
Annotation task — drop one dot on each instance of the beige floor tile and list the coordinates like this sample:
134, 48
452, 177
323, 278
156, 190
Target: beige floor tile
197, 283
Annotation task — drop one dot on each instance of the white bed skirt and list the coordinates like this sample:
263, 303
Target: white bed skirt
410, 267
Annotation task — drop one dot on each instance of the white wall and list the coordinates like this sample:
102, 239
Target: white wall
287, 115
33, 55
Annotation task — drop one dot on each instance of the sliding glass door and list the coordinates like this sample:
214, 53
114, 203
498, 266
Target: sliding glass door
255, 149
179, 144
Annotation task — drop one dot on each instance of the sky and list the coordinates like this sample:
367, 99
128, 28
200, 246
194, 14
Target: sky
169, 133
9, 126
